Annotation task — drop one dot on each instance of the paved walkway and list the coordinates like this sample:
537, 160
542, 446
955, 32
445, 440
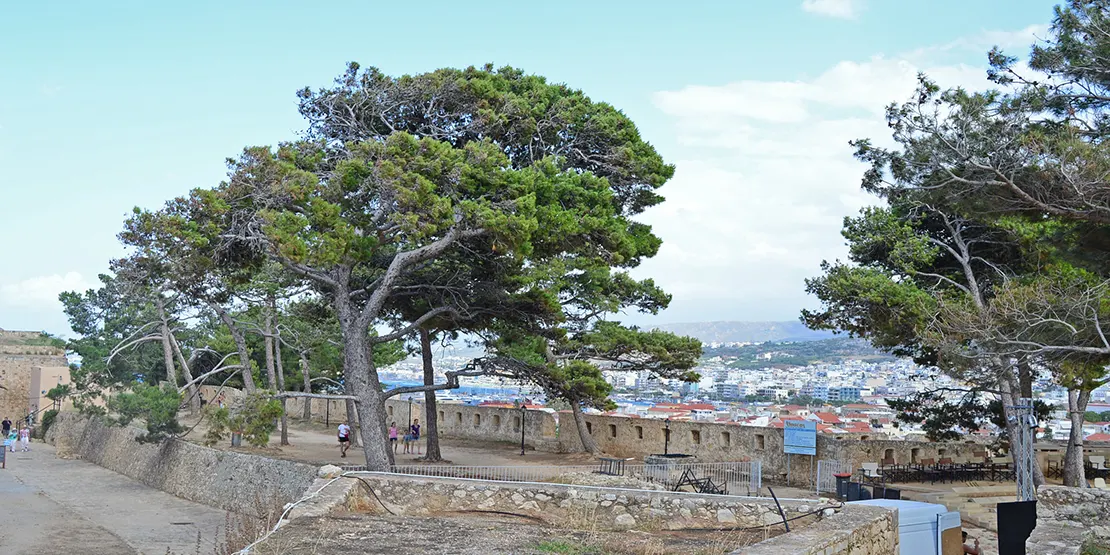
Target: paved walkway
51, 505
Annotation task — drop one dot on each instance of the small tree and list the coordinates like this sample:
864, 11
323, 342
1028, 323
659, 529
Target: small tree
156, 406
253, 416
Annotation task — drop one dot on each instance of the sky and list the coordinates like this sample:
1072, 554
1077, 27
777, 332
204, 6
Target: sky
105, 106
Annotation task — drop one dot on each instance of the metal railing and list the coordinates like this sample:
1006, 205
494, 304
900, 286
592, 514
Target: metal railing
740, 478
826, 481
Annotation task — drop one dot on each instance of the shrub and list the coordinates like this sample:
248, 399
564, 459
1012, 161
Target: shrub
255, 416
157, 406
48, 421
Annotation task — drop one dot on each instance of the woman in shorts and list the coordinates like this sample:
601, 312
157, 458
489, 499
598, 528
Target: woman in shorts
393, 436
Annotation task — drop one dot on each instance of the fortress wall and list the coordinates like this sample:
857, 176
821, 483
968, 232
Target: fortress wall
226, 480
638, 437
19, 335
16, 376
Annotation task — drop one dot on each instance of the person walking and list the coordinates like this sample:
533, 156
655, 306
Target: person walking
7, 426
25, 438
344, 439
414, 431
393, 436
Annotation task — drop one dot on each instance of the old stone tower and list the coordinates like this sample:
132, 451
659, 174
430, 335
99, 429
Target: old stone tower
28, 369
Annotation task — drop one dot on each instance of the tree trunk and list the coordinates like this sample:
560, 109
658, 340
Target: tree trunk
1074, 473
352, 414
281, 387
588, 443
268, 346
167, 346
431, 417
193, 390
240, 345
308, 388
361, 380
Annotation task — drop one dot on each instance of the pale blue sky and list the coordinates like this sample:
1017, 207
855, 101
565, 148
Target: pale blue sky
108, 105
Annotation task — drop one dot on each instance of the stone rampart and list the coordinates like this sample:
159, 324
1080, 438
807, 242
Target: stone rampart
231, 481
638, 437
856, 529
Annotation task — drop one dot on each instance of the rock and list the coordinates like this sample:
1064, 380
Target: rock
770, 518
625, 521
329, 471
542, 497
518, 498
725, 516
460, 493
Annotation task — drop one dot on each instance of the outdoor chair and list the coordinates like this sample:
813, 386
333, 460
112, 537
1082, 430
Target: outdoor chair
1054, 467
1096, 466
869, 472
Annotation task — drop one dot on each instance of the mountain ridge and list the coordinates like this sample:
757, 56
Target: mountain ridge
736, 331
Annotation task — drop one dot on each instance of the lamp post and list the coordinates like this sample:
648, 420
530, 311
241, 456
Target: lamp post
666, 436
523, 408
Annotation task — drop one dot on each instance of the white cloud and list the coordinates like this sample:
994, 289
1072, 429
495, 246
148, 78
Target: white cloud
767, 176
844, 9
42, 291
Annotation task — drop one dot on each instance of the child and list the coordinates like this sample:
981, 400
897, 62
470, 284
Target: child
393, 436
25, 438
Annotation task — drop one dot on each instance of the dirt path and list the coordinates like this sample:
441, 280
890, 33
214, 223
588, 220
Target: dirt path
51, 505
316, 444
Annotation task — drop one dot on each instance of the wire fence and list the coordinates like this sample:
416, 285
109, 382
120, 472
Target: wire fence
738, 478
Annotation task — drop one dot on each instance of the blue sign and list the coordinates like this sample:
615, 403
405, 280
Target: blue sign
799, 437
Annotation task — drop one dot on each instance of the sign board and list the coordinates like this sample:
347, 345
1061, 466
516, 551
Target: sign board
799, 437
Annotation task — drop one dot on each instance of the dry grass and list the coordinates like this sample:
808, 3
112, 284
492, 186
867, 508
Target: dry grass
240, 530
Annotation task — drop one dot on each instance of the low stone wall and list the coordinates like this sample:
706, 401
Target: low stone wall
855, 529
854, 532
231, 481
1066, 517
561, 504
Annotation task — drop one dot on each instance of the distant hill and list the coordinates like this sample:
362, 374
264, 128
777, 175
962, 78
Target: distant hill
746, 332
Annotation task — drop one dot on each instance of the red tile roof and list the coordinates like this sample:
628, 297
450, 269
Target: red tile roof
1098, 437
827, 417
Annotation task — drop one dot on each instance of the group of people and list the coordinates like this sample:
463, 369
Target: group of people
411, 439
12, 436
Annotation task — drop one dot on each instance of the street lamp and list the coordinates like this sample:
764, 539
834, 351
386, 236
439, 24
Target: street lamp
523, 408
666, 436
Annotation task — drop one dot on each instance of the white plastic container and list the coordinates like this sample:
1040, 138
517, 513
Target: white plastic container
919, 524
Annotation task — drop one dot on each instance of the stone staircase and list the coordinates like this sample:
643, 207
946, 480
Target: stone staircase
975, 502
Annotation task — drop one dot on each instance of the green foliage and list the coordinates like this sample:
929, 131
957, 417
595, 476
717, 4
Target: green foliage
254, 416
47, 421
156, 406
1092, 416
799, 353
946, 417
58, 392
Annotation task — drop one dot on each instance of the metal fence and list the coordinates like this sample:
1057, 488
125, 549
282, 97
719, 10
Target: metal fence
826, 481
740, 478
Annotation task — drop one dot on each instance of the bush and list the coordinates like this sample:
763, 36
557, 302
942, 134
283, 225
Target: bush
255, 416
157, 406
47, 421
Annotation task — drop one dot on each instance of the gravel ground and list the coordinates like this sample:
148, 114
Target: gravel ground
480, 535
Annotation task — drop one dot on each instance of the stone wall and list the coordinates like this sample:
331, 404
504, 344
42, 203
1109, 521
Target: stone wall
16, 376
853, 529
1066, 517
638, 437
231, 481
850, 532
